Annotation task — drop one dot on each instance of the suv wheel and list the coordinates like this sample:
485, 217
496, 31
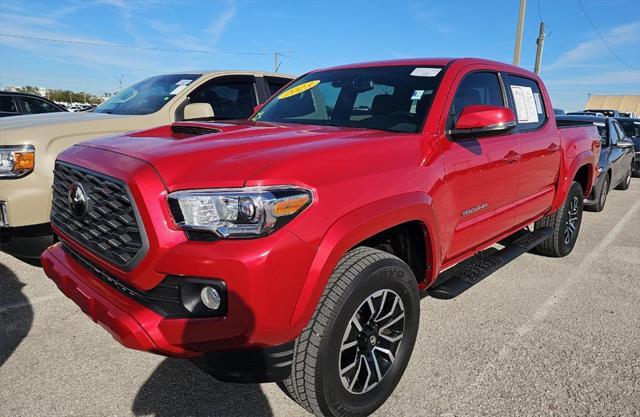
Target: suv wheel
565, 224
353, 352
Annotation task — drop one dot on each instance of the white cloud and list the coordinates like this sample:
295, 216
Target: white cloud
595, 50
606, 78
219, 25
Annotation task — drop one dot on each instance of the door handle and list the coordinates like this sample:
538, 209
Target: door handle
511, 157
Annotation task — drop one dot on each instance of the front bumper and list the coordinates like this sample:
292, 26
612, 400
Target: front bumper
26, 242
636, 164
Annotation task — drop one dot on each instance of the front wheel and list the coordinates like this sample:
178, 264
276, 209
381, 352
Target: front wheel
352, 354
564, 223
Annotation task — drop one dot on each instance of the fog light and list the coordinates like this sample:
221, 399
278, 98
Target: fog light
210, 298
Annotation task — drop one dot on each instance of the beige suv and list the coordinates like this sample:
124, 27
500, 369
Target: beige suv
29, 144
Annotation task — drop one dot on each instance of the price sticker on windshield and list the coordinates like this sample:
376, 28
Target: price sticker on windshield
299, 89
425, 72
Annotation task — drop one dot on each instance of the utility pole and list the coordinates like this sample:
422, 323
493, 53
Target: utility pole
516, 52
540, 43
276, 59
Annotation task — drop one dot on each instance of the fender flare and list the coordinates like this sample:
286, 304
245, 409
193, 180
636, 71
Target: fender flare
584, 158
354, 227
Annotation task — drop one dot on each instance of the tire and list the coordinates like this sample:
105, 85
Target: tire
564, 236
332, 345
602, 197
626, 181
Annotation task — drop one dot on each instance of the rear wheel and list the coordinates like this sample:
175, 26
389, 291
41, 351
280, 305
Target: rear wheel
626, 182
565, 224
353, 352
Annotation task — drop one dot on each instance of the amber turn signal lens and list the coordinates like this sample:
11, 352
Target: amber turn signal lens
290, 206
24, 161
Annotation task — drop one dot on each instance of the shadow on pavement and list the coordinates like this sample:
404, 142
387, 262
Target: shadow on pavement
178, 388
16, 314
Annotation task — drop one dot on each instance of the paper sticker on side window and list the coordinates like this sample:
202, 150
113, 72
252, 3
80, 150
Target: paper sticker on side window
525, 104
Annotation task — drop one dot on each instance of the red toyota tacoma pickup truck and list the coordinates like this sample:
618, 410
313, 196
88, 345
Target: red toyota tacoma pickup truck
295, 246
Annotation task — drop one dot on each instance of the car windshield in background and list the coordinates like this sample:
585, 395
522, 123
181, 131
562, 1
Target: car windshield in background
391, 98
630, 127
147, 96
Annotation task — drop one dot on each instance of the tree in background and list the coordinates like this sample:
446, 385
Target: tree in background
28, 89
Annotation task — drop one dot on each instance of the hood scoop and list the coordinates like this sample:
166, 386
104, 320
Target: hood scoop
183, 131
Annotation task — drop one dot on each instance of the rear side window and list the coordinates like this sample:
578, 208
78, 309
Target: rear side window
8, 104
526, 102
477, 88
34, 105
276, 84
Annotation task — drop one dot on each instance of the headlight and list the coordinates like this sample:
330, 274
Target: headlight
238, 212
16, 161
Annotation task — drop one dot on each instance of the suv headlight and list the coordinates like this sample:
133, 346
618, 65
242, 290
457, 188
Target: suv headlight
238, 212
16, 161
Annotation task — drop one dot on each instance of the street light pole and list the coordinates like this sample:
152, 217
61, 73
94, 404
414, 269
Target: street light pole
516, 52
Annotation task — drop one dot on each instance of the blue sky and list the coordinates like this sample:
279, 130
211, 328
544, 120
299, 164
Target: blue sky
321, 33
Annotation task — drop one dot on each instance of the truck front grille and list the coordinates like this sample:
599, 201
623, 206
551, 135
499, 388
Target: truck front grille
104, 222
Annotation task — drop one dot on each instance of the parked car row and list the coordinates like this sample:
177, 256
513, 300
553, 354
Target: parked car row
290, 238
616, 163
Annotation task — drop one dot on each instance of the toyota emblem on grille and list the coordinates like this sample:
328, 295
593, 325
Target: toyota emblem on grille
77, 200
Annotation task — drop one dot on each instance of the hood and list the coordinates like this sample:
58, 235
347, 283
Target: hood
229, 157
49, 119
636, 142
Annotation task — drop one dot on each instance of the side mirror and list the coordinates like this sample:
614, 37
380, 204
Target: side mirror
478, 120
624, 144
198, 111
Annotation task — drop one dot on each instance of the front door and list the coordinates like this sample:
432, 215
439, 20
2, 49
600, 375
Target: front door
481, 174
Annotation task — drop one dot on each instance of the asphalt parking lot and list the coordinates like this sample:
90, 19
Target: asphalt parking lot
539, 337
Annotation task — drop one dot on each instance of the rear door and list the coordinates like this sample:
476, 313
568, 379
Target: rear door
481, 174
539, 147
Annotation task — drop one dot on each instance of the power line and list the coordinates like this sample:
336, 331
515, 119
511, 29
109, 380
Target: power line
299, 60
118, 45
602, 38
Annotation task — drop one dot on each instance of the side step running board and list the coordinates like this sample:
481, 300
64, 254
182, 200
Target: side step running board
465, 275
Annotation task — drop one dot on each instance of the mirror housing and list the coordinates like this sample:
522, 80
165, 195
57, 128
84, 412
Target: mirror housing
624, 143
479, 120
198, 111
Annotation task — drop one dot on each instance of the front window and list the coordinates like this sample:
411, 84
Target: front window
147, 96
393, 98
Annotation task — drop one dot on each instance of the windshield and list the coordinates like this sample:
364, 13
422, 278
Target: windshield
147, 96
392, 98
630, 127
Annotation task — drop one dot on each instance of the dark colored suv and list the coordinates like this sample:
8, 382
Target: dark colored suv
16, 104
